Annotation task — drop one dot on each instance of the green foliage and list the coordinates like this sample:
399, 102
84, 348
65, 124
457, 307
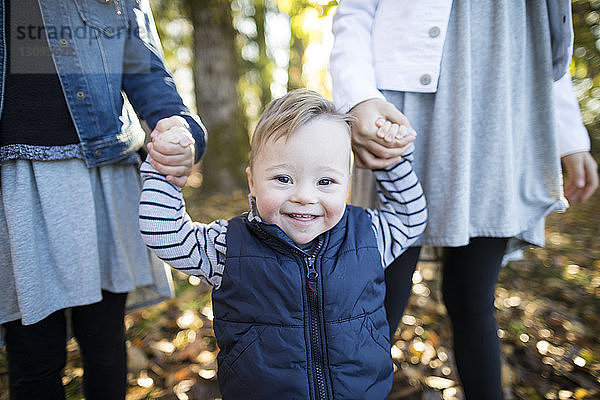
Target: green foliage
300, 35
586, 64
250, 20
174, 30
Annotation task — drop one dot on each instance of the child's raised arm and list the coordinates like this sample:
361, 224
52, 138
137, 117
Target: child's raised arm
402, 216
166, 228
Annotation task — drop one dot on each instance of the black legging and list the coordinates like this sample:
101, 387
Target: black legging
37, 355
469, 281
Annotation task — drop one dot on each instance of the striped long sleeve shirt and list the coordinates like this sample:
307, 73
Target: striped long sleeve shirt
199, 249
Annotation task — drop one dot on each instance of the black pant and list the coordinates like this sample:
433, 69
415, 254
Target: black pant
37, 354
469, 281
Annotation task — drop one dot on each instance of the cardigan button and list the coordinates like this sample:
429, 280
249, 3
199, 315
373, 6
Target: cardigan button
97, 153
425, 79
434, 32
63, 42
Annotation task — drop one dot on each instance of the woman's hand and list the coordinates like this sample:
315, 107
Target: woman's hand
582, 176
172, 149
381, 134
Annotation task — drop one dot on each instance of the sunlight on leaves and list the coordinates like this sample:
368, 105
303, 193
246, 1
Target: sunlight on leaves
579, 361
206, 357
144, 380
408, 320
164, 345
207, 373
396, 352
194, 280
187, 319
182, 388
542, 347
417, 277
564, 394
208, 312
421, 290
438, 383
449, 394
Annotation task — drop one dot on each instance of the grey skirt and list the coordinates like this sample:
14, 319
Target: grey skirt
68, 232
486, 151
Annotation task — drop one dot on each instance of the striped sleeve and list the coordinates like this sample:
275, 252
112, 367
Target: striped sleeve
166, 228
402, 216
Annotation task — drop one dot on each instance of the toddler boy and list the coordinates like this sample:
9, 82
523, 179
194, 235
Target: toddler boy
298, 280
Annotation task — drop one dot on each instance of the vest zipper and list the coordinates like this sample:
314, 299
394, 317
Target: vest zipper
312, 290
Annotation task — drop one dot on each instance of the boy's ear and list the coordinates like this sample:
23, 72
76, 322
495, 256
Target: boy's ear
250, 181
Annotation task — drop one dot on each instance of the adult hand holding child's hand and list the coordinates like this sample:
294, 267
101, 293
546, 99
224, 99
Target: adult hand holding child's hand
381, 134
172, 149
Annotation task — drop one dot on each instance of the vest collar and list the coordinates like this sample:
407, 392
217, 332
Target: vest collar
273, 235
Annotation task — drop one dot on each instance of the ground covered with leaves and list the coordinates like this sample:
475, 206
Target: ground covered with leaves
548, 308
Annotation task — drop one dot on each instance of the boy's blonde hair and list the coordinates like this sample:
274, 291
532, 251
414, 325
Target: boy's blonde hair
283, 116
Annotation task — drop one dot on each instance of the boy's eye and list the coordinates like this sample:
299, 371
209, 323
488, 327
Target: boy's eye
325, 181
283, 179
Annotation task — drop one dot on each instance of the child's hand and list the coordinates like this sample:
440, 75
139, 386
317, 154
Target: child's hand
172, 149
381, 135
394, 133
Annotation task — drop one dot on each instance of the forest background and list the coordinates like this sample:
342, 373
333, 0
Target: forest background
229, 59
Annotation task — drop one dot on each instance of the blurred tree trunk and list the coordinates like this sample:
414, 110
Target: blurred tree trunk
216, 75
297, 48
264, 64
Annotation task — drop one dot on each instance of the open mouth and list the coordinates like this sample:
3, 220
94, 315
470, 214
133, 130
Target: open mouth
302, 217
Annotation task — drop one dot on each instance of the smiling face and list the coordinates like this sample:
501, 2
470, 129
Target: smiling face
300, 181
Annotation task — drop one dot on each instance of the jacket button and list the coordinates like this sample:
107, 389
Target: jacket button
80, 95
97, 153
434, 32
63, 42
425, 79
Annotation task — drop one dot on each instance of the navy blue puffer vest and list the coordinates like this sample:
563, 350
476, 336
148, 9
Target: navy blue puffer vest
296, 326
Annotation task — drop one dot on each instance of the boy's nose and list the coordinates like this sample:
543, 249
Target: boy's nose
304, 195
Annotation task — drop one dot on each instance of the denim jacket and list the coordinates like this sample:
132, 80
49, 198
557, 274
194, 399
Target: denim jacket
108, 57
